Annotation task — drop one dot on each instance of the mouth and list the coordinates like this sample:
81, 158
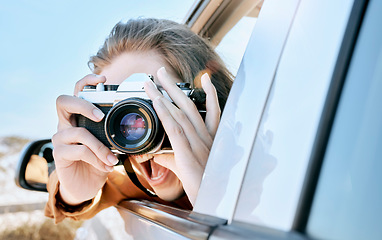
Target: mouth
154, 173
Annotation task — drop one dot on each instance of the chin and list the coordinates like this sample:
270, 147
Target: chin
169, 194
169, 190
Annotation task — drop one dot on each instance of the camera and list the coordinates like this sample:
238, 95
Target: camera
130, 125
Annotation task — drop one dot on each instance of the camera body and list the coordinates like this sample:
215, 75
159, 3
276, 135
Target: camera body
130, 125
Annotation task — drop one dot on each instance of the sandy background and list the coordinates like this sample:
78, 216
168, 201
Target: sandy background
21, 211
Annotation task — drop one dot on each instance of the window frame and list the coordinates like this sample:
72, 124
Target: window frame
328, 113
213, 19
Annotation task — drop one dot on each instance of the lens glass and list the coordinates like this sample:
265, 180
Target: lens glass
133, 126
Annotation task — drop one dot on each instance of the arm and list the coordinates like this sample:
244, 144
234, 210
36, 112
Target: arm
118, 187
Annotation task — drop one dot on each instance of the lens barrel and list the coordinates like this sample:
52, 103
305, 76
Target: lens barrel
132, 126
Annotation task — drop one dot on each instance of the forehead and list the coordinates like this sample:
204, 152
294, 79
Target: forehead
128, 63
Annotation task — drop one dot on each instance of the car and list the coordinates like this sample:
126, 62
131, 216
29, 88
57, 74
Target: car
298, 150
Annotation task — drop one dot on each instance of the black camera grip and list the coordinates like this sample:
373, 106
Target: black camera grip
95, 128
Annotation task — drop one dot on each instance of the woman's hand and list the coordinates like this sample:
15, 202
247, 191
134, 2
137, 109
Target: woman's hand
82, 161
190, 137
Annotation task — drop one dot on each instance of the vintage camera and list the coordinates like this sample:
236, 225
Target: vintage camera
131, 125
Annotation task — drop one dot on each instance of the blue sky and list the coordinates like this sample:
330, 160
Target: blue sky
45, 46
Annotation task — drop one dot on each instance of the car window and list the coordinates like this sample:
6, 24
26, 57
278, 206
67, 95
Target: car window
227, 25
348, 199
232, 47
278, 163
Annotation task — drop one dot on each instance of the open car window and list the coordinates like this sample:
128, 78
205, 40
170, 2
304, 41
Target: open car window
227, 24
232, 47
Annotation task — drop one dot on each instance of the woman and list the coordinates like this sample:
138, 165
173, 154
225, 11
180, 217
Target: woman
85, 180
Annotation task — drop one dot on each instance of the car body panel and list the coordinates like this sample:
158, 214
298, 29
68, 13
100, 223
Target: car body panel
147, 220
234, 139
281, 153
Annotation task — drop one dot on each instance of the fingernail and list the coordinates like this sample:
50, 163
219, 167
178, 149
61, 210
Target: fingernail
205, 78
98, 113
109, 168
112, 159
162, 70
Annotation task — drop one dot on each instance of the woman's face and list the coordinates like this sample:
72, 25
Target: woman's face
163, 181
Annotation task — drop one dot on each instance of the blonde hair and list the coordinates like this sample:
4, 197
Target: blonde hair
187, 53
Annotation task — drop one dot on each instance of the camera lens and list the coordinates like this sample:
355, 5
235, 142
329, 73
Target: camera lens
133, 127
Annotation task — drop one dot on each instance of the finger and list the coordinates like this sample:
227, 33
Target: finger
212, 105
90, 79
182, 101
75, 136
180, 117
183, 138
69, 105
151, 90
165, 160
199, 147
74, 153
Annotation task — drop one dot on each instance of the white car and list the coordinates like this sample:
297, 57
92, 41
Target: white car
298, 152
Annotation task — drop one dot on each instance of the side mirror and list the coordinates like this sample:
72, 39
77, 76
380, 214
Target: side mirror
35, 165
